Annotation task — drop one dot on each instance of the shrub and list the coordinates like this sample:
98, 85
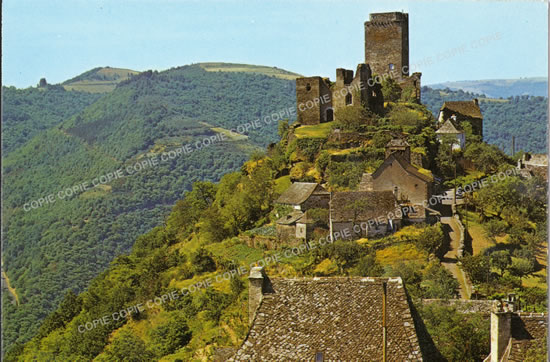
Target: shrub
203, 261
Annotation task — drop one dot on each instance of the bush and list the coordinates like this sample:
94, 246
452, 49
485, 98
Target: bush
203, 261
495, 227
169, 337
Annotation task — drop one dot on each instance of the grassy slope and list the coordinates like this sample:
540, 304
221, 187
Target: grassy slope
248, 68
99, 80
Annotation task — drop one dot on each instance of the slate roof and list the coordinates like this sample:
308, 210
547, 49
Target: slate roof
397, 142
291, 218
406, 165
299, 192
448, 128
528, 330
340, 317
466, 108
376, 204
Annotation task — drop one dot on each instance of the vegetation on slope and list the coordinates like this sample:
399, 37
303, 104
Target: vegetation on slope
65, 243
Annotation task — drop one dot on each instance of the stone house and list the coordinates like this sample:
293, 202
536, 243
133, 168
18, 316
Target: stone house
396, 174
448, 129
410, 187
357, 214
296, 225
305, 195
330, 319
460, 111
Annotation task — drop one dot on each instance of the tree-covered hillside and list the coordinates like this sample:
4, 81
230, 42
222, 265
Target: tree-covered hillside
25, 112
63, 244
524, 117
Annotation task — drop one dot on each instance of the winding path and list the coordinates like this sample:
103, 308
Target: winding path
450, 258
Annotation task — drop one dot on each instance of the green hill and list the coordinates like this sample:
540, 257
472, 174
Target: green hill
65, 243
99, 80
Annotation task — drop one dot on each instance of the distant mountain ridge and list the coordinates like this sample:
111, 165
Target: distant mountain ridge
499, 88
105, 79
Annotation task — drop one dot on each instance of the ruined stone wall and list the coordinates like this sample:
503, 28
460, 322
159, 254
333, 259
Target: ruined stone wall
414, 83
313, 100
387, 42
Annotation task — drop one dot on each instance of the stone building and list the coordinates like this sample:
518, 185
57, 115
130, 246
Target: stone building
533, 164
386, 56
305, 195
448, 129
330, 319
296, 225
357, 214
462, 111
397, 174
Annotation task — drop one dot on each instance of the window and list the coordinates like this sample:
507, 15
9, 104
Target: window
308, 87
330, 115
348, 99
319, 357
391, 66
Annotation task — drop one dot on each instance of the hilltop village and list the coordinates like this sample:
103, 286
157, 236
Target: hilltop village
372, 230
373, 118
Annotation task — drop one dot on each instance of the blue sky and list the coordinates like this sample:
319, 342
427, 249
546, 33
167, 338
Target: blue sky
465, 40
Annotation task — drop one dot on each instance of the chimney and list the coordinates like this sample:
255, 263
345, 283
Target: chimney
256, 288
367, 183
501, 325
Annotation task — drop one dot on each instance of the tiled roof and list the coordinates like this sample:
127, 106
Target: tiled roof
299, 192
448, 128
466, 108
527, 330
340, 317
373, 204
406, 165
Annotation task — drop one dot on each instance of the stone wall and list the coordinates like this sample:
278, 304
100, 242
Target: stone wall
414, 83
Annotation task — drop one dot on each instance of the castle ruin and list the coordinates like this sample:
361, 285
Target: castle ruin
386, 56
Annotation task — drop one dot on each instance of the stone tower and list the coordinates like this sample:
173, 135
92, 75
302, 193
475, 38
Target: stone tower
387, 44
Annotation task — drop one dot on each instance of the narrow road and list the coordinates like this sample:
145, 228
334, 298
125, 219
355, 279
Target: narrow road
450, 258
